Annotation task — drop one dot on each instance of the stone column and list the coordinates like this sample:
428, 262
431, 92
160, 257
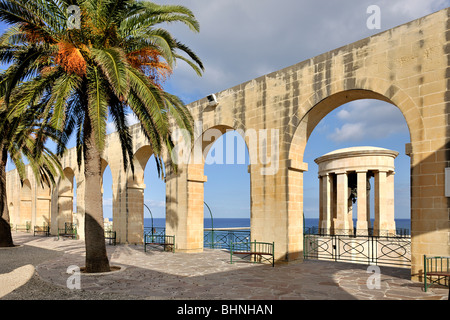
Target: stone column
380, 223
321, 209
362, 222
326, 204
135, 213
390, 203
341, 223
185, 207
368, 211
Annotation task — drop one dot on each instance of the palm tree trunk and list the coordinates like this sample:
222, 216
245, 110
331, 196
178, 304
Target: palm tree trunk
96, 256
5, 229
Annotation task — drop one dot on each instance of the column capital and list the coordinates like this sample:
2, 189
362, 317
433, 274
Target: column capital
324, 174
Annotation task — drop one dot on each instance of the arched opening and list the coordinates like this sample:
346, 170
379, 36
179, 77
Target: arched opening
130, 227
154, 196
354, 105
365, 122
107, 194
227, 188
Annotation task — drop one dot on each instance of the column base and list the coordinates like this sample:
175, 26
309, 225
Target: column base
362, 228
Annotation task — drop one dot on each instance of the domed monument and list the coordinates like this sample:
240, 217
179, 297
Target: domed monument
344, 176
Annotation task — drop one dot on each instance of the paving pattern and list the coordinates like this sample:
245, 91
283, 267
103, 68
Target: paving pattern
202, 276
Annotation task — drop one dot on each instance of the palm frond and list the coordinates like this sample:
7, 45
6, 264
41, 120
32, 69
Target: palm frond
97, 106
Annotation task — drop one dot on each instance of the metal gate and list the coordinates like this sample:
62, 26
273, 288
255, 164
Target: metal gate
379, 250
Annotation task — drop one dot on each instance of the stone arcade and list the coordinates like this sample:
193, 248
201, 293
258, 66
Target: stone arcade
407, 66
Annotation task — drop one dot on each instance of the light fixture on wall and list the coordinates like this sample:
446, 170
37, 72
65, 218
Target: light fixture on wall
212, 100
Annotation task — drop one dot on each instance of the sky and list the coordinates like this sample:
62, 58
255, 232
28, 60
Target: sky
240, 40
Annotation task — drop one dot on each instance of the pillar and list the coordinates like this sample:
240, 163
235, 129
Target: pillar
362, 201
341, 225
185, 207
380, 224
135, 213
326, 203
390, 214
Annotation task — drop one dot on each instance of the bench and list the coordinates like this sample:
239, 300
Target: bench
25, 227
68, 231
257, 251
436, 271
110, 236
167, 242
45, 230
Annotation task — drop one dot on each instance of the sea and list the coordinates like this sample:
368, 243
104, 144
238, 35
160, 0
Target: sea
218, 223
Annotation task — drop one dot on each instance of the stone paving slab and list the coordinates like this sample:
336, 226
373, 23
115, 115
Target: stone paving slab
199, 276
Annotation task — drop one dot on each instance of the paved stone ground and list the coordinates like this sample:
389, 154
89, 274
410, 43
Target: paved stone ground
37, 269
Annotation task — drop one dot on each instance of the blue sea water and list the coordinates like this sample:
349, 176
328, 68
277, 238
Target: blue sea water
245, 222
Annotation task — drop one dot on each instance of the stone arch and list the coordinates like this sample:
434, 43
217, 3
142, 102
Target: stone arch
317, 109
205, 141
140, 159
130, 224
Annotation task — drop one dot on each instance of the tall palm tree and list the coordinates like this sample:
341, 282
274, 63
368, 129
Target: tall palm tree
23, 137
115, 58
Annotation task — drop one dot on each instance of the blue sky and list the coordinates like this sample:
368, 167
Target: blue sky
241, 40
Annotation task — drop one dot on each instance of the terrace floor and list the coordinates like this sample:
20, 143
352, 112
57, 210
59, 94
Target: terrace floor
37, 269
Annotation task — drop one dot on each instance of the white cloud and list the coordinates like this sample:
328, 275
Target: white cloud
413, 8
365, 119
155, 203
348, 132
131, 119
241, 40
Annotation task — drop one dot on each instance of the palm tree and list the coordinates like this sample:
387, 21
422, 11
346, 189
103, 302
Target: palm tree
22, 136
115, 60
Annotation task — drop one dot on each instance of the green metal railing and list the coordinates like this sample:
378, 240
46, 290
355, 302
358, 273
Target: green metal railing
436, 270
167, 242
258, 252
69, 230
222, 238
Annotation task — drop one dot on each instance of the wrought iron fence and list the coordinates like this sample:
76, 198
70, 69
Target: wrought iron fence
399, 232
213, 238
367, 249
